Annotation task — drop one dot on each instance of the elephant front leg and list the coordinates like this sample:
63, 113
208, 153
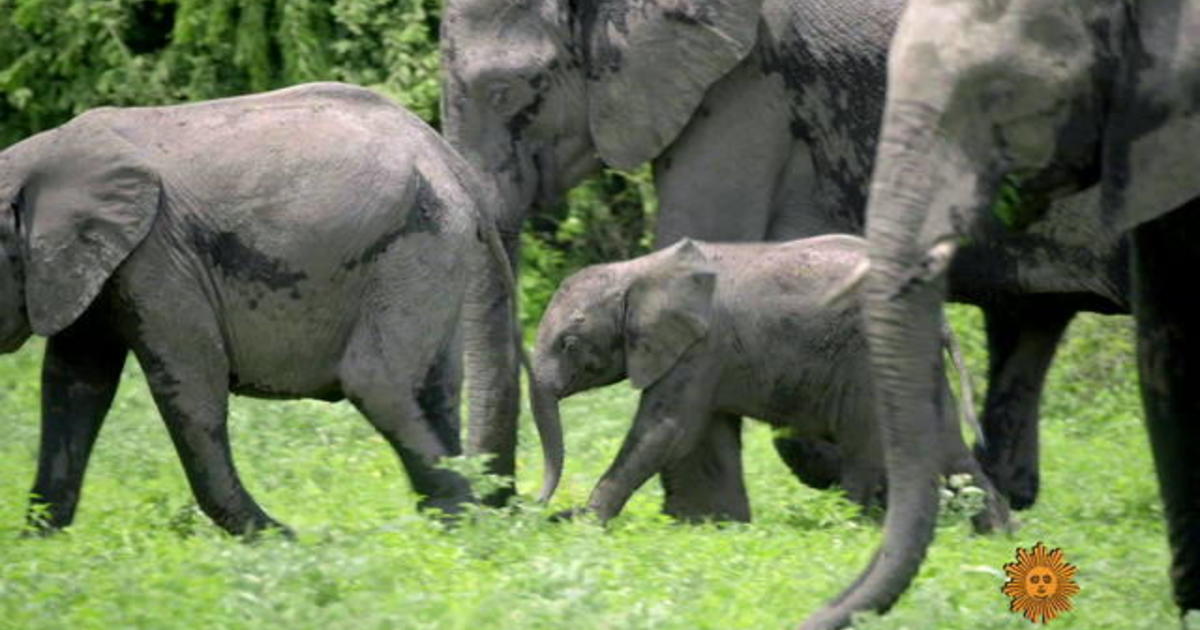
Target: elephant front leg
707, 483
671, 419
1022, 339
188, 373
1168, 348
80, 374
492, 368
816, 463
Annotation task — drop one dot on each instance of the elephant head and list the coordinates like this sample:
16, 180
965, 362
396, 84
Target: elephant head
631, 319
67, 219
1046, 98
538, 93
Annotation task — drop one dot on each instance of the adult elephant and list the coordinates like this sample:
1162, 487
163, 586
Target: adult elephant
761, 122
1052, 97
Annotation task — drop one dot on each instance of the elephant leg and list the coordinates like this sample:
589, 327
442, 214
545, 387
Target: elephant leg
441, 394
383, 391
816, 463
672, 418
80, 373
958, 459
1168, 348
707, 483
188, 373
492, 367
1022, 339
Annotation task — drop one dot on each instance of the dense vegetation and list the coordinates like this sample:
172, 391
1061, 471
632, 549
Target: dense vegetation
61, 57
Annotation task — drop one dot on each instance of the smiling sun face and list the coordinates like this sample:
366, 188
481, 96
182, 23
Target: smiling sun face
1040, 583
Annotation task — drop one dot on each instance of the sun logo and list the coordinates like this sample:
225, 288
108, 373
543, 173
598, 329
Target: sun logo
1040, 583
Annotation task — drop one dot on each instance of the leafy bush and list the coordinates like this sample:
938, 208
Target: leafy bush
609, 217
61, 57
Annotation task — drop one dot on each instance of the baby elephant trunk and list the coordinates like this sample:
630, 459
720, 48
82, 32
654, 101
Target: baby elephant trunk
549, 426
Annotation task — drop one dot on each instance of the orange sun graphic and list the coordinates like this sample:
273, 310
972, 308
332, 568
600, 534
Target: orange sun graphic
1040, 583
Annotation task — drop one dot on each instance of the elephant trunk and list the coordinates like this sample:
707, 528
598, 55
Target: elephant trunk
549, 425
903, 293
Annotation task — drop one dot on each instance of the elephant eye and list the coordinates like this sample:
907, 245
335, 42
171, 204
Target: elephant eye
498, 92
569, 343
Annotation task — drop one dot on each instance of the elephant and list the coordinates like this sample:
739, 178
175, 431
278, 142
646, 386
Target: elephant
698, 329
760, 119
1033, 100
316, 241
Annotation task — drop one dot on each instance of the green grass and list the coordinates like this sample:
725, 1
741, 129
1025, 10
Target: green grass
141, 555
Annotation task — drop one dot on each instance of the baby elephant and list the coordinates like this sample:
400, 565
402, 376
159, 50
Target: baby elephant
314, 242
713, 332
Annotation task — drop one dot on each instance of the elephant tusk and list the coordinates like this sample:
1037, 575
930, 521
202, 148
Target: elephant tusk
966, 391
937, 259
846, 285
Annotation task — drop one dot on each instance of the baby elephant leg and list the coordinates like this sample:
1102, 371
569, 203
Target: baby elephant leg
707, 484
671, 420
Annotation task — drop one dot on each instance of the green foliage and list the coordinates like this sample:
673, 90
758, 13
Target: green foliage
1015, 206
61, 57
141, 555
609, 217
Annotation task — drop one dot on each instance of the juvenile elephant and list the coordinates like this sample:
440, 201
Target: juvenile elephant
314, 242
760, 119
711, 333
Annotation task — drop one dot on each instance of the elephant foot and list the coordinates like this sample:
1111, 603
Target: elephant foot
448, 510
572, 514
259, 531
500, 497
1018, 484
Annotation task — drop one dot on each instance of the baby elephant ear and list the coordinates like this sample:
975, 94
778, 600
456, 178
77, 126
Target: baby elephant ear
666, 312
91, 200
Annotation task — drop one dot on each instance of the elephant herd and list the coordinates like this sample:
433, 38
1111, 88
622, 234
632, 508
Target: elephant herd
1033, 158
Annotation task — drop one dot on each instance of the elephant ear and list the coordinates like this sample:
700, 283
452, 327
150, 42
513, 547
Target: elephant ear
649, 64
89, 202
1149, 154
666, 312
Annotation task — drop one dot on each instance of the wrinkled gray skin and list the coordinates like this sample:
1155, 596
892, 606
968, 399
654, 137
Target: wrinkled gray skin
1059, 96
697, 328
761, 122
311, 242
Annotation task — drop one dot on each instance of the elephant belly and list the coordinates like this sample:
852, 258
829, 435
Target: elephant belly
285, 347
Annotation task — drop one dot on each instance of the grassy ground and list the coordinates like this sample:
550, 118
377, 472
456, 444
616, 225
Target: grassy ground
141, 555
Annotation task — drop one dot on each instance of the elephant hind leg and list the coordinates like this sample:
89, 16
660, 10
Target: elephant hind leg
440, 395
707, 483
80, 374
1022, 339
384, 388
1168, 347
